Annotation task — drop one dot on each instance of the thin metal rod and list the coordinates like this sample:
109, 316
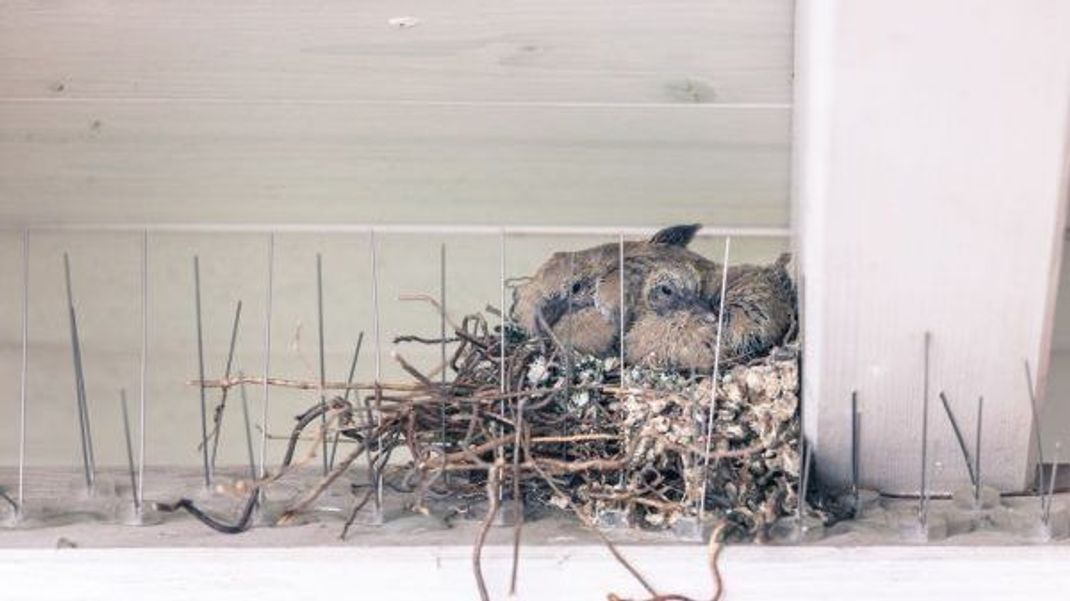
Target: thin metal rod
517, 495
569, 339
501, 317
407, 229
958, 436
977, 452
248, 428
855, 446
130, 452
323, 361
144, 383
442, 342
23, 369
804, 480
1051, 484
200, 370
622, 314
345, 397
503, 386
79, 383
376, 475
267, 352
565, 448
1035, 413
922, 501
716, 376
223, 395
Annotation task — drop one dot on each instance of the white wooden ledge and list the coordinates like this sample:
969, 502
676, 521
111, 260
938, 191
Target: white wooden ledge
553, 572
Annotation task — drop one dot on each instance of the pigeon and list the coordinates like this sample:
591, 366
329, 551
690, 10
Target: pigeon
671, 302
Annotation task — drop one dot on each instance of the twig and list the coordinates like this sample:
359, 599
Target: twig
594, 528
241, 526
493, 478
427, 298
713, 553
355, 511
305, 385
313, 494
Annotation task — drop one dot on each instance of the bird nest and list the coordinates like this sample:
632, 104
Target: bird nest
527, 419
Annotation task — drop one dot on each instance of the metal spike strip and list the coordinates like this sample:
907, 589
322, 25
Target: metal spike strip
269, 294
144, 380
200, 370
922, 500
1035, 414
88, 463
621, 308
130, 452
248, 426
622, 316
977, 453
503, 386
226, 389
804, 481
856, 449
376, 475
345, 396
323, 362
958, 436
1051, 484
442, 342
716, 377
23, 370
568, 347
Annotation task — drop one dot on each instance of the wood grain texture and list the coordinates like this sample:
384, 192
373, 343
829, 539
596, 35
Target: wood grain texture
613, 51
920, 211
601, 112
311, 162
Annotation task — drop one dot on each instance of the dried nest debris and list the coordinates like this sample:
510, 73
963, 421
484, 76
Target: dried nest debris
562, 430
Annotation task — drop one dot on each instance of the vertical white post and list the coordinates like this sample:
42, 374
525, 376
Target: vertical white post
929, 192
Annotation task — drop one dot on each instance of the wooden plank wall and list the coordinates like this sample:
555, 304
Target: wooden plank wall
608, 111
597, 112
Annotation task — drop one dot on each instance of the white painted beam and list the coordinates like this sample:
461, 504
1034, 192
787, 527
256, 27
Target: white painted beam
546, 572
929, 194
